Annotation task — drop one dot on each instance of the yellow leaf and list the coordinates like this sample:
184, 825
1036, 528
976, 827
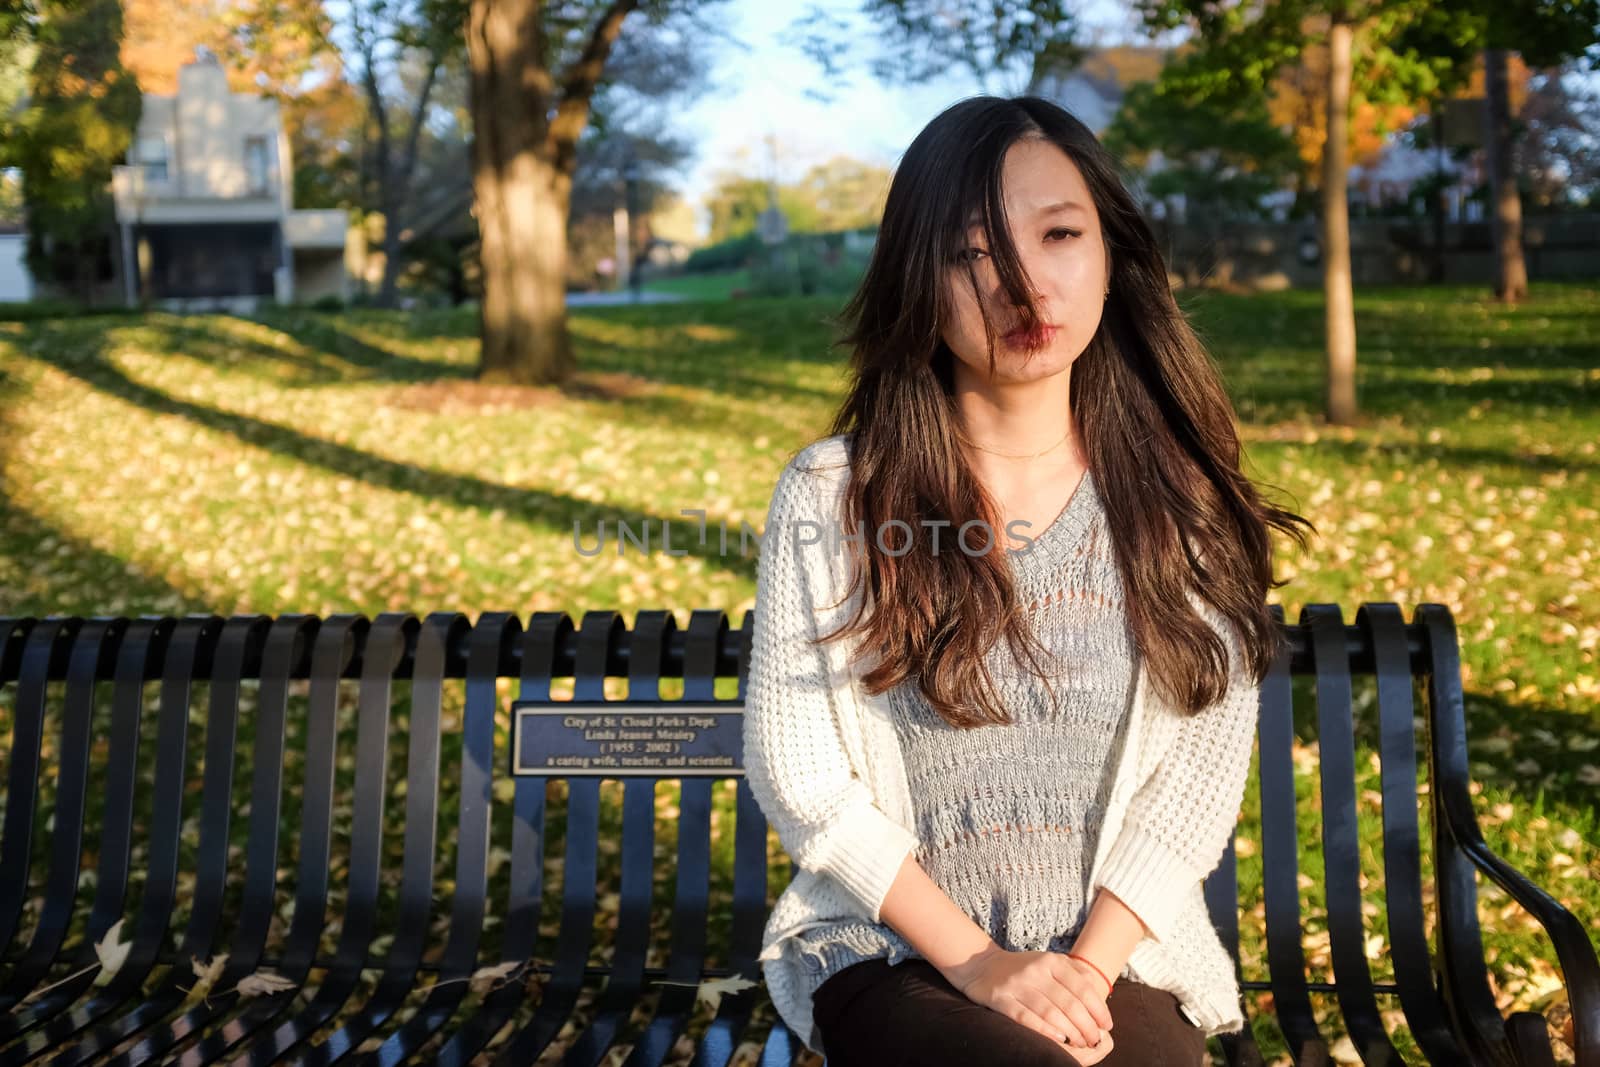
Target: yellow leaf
113, 953
485, 979
207, 974
263, 983
711, 989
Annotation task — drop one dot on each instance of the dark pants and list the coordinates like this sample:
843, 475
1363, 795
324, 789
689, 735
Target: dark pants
873, 1015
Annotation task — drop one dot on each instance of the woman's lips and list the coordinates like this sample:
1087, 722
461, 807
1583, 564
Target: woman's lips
1030, 339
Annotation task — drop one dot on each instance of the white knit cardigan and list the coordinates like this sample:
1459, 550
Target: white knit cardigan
822, 760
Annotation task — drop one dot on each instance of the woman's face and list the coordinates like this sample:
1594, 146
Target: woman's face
1063, 255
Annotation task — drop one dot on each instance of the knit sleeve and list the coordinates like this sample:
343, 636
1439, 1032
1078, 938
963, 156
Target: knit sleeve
795, 761
1179, 819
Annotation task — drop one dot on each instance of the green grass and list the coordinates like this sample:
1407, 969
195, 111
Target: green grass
718, 286
325, 463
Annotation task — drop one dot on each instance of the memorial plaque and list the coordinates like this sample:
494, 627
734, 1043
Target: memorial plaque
669, 738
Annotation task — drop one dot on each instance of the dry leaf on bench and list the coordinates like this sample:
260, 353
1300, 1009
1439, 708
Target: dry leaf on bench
486, 979
112, 953
263, 983
207, 973
711, 989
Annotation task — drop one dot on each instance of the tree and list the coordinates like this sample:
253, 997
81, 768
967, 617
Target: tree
650, 72
1559, 152
839, 194
535, 69
1222, 160
1003, 46
1297, 100
277, 48
847, 194
1239, 51
82, 110
267, 46
399, 49
16, 60
1546, 33
736, 202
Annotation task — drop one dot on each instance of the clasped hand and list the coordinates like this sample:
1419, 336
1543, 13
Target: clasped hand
1045, 991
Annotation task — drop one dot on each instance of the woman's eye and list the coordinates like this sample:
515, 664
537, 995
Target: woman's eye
969, 255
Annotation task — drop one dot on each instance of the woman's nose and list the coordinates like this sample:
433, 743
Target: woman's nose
1000, 300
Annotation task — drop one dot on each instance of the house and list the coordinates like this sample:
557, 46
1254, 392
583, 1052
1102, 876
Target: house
204, 206
16, 283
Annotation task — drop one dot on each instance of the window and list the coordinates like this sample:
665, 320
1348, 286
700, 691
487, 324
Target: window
152, 156
255, 164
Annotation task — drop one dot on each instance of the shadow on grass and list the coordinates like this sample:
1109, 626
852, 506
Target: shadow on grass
705, 386
57, 573
332, 336
556, 512
1452, 457
697, 385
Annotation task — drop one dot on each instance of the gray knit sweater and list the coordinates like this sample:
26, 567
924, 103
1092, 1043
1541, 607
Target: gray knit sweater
1007, 816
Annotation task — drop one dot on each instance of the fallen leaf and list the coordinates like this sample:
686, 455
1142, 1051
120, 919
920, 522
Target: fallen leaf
711, 989
262, 983
112, 953
486, 979
207, 974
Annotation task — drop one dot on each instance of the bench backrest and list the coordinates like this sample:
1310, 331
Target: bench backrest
334, 793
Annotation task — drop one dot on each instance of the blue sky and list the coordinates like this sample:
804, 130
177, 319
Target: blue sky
761, 91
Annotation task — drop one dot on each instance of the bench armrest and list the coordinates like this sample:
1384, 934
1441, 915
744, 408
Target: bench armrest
1460, 851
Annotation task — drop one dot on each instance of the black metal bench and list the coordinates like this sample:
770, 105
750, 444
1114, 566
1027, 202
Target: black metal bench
314, 707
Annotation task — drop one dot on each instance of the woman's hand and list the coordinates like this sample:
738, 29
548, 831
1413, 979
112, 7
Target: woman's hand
1045, 991
1088, 1056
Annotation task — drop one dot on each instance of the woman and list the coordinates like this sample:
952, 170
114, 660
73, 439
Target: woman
1000, 845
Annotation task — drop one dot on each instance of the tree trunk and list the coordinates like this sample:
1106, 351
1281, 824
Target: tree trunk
1511, 271
1337, 286
521, 198
526, 126
388, 287
524, 261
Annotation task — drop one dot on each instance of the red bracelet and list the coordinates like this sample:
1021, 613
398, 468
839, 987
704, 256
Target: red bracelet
1102, 974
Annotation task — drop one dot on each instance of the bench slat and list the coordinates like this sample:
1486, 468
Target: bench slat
89, 643
1280, 861
1402, 867
1341, 838
44, 643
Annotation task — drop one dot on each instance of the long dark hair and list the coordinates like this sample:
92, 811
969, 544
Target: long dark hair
1157, 428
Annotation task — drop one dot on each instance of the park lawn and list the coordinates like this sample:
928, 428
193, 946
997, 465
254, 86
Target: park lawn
312, 462
716, 286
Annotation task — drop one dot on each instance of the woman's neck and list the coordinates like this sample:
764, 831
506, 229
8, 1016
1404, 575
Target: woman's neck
1020, 437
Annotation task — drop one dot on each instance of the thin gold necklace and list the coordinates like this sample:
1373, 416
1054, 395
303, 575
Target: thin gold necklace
1014, 455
